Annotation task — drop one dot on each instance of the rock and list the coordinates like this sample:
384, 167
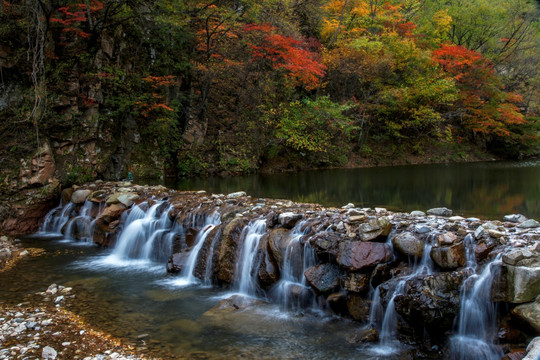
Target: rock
80, 196
529, 314
355, 282
323, 277
176, 262
348, 206
268, 272
356, 219
482, 250
228, 250
514, 218
408, 244
326, 242
447, 238
48, 353
278, 241
338, 302
362, 336
128, 199
112, 212
456, 218
533, 349
98, 196
520, 284
529, 224
358, 307
374, 228
442, 211
449, 257
289, 219
235, 195
422, 229
66, 195
358, 255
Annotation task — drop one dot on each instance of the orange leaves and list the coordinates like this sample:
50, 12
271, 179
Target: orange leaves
286, 53
154, 103
158, 81
73, 15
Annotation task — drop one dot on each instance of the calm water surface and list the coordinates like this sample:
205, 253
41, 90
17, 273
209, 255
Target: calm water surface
485, 190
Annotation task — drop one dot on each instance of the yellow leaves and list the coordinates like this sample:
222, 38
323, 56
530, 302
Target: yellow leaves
442, 20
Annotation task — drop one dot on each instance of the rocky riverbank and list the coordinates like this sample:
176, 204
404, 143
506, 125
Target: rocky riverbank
355, 251
42, 328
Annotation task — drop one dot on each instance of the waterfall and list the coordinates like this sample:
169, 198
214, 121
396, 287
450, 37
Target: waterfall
388, 329
186, 276
246, 274
291, 292
57, 218
477, 318
144, 237
81, 227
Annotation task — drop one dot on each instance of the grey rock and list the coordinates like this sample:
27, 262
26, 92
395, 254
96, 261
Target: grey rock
533, 349
530, 314
529, 224
442, 211
49, 353
408, 244
289, 219
348, 206
235, 195
514, 218
80, 196
128, 199
418, 213
422, 229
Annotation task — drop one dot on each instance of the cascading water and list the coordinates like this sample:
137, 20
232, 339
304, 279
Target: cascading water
245, 278
477, 317
57, 218
291, 292
143, 237
388, 328
186, 276
81, 227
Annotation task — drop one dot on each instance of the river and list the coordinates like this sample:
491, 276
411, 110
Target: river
488, 190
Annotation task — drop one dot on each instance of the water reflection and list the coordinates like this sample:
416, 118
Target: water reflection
486, 190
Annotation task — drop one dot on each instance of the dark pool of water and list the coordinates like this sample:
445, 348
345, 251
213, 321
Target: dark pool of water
485, 190
137, 302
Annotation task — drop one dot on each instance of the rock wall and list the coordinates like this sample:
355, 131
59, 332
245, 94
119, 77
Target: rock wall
356, 249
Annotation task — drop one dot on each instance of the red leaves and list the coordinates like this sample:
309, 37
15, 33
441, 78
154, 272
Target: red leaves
73, 15
286, 53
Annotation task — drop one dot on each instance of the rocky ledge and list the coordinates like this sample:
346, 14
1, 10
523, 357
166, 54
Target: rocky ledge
357, 250
42, 328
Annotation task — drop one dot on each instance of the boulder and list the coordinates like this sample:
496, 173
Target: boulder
418, 213
289, 219
66, 195
374, 228
228, 250
358, 255
448, 238
449, 257
235, 195
359, 307
533, 349
279, 241
514, 218
326, 242
323, 277
268, 272
529, 314
355, 282
441, 211
523, 283
207, 258
80, 196
338, 302
529, 224
98, 196
408, 244
112, 213
128, 199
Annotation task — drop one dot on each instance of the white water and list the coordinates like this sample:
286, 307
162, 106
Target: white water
477, 318
186, 276
388, 329
81, 227
57, 218
246, 275
291, 292
143, 238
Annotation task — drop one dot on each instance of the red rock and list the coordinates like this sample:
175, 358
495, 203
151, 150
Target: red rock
358, 255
